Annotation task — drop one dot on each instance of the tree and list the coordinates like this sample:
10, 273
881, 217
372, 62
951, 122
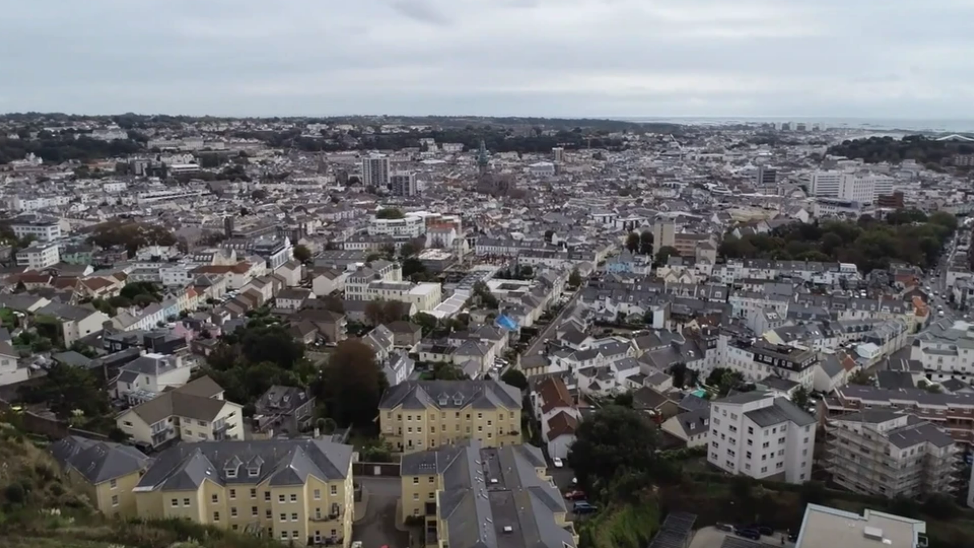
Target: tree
614, 440
374, 312
412, 248
427, 322
130, 235
301, 253
68, 390
665, 253
445, 371
862, 378
516, 379
351, 384
575, 278
258, 195
527, 272
624, 399
390, 213
679, 372
632, 242
646, 243
411, 266
800, 397
270, 344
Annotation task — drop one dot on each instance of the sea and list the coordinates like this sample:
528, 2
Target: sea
872, 124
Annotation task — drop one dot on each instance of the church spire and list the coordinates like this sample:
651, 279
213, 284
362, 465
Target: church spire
482, 158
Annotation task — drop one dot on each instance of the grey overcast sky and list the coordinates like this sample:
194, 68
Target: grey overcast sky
835, 58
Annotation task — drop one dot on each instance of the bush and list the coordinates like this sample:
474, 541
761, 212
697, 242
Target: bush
15, 494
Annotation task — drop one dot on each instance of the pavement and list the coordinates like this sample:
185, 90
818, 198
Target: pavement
376, 524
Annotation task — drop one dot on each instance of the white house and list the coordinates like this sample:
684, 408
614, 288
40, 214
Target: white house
10, 370
150, 374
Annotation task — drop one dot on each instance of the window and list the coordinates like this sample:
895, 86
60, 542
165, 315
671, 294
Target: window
216, 516
432, 496
317, 494
267, 496
175, 503
294, 534
283, 535
415, 496
334, 489
233, 493
215, 498
432, 479
201, 423
233, 511
113, 484
230, 472
234, 526
253, 493
750, 429
253, 511
283, 517
294, 497
294, 516
415, 480
281, 498
764, 469
186, 502
268, 515
480, 415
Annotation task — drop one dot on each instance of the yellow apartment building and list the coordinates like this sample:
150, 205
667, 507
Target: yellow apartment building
297, 490
193, 412
422, 415
106, 472
472, 496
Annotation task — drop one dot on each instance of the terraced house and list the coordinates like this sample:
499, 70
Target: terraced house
421, 415
296, 490
471, 496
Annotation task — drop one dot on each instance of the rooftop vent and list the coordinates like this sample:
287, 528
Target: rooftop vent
508, 529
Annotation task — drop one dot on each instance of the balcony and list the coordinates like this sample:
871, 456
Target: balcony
163, 435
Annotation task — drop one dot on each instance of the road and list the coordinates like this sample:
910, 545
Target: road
548, 332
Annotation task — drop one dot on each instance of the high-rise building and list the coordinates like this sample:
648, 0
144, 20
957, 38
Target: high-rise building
767, 176
558, 155
375, 172
402, 184
825, 183
866, 188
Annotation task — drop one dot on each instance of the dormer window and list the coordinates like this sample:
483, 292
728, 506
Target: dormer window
457, 400
231, 472
444, 400
253, 471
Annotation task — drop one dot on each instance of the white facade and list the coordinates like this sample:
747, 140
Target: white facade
825, 183
758, 435
41, 231
410, 226
10, 372
865, 189
946, 351
542, 169
39, 256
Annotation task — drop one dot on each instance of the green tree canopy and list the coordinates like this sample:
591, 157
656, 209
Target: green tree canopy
301, 253
351, 384
614, 440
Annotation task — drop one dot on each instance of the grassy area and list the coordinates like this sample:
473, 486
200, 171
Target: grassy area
622, 526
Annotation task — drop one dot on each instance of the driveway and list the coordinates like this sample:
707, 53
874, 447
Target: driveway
378, 526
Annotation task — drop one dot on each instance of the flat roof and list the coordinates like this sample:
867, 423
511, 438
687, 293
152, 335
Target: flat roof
825, 527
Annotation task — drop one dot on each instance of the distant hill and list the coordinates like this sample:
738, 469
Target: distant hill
925, 150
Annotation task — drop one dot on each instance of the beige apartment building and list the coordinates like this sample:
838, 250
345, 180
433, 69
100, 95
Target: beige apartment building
885, 453
105, 472
297, 490
471, 496
422, 415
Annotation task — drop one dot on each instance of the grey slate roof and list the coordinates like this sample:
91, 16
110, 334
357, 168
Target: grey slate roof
283, 462
490, 394
782, 410
488, 490
98, 461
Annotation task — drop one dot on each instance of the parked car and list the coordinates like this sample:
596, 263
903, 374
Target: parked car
752, 534
575, 495
793, 537
583, 507
558, 462
724, 527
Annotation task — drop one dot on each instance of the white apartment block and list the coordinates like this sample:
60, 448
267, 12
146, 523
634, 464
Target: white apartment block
825, 183
403, 184
42, 231
761, 436
946, 351
890, 454
410, 226
39, 255
864, 188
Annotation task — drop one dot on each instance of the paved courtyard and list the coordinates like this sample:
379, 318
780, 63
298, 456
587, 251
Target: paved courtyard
377, 527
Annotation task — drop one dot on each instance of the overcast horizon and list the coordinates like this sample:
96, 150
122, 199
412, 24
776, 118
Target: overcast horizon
894, 60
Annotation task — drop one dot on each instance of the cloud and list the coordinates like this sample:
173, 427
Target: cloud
893, 59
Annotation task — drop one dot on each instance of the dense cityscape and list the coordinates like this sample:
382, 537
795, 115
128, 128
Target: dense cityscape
475, 332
